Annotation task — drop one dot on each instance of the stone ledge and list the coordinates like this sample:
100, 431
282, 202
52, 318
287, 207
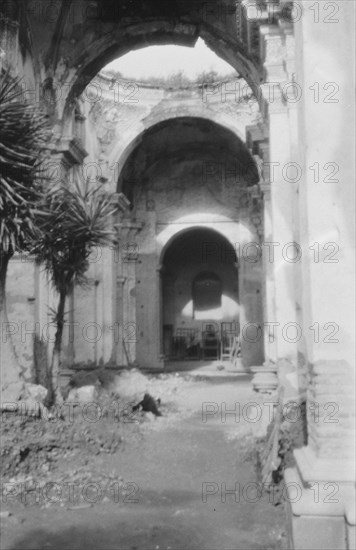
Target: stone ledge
314, 469
72, 150
307, 504
331, 366
120, 200
311, 532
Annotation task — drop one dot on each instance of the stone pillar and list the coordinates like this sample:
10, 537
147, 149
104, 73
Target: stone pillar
106, 306
108, 272
257, 142
327, 198
118, 341
282, 178
324, 63
269, 287
129, 257
159, 316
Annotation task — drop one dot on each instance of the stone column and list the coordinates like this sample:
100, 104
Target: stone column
118, 342
257, 142
282, 174
128, 258
324, 64
269, 287
63, 155
159, 302
110, 305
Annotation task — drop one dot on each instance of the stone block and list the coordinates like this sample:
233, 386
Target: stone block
350, 537
11, 394
85, 394
35, 392
317, 533
31, 407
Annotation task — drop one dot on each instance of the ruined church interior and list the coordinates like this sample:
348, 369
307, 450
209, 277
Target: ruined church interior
233, 215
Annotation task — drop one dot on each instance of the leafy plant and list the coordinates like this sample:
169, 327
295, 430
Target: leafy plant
23, 136
179, 79
72, 222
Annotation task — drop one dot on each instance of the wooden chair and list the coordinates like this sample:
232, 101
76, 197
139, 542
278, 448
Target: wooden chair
229, 340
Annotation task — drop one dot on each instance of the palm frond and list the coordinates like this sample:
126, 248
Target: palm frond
23, 136
75, 220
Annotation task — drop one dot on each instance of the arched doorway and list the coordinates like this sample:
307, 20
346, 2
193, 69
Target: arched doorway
200, 296
187, 180
185, 175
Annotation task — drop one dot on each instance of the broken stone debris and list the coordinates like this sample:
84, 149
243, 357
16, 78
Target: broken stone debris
148, 404
24, 397
85, 394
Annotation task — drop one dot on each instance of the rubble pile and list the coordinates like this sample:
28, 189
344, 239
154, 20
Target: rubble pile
32, 445
94, 419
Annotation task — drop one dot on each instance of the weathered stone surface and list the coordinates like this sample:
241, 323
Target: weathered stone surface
12, 393
315, 292
35, 392
85, 394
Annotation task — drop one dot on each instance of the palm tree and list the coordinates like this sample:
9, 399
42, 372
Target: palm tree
73, 221
23, 135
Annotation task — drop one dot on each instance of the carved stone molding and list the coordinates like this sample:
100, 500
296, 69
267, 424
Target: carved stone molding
71, 151
128, 229
265, 379
289, 49
273, 51
278, 59
120, 200
132, 225
256, 134
257, 142
266, 190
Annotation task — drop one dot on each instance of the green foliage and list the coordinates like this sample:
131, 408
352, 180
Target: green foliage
180, 79
72, 221
293, 434
23, 135
208, 77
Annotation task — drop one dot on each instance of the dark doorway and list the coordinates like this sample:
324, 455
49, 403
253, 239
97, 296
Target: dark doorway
200, 294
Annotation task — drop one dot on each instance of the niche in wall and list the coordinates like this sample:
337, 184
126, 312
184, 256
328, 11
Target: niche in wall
206, 294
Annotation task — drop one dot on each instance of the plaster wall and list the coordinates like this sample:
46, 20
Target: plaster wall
173, 184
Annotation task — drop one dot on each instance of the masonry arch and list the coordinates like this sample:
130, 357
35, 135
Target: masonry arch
134, 136
177, 178
200, 307
119, 40
235, 233
224, 159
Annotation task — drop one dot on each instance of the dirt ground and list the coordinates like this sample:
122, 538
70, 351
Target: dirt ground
136, 481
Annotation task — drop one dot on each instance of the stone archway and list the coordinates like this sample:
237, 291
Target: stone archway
171, 194
199, 289
120, 40
121, 151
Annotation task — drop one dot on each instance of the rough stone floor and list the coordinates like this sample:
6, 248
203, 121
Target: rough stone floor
169, 460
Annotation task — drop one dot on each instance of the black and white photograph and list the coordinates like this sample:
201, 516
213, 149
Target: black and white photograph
177, 275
